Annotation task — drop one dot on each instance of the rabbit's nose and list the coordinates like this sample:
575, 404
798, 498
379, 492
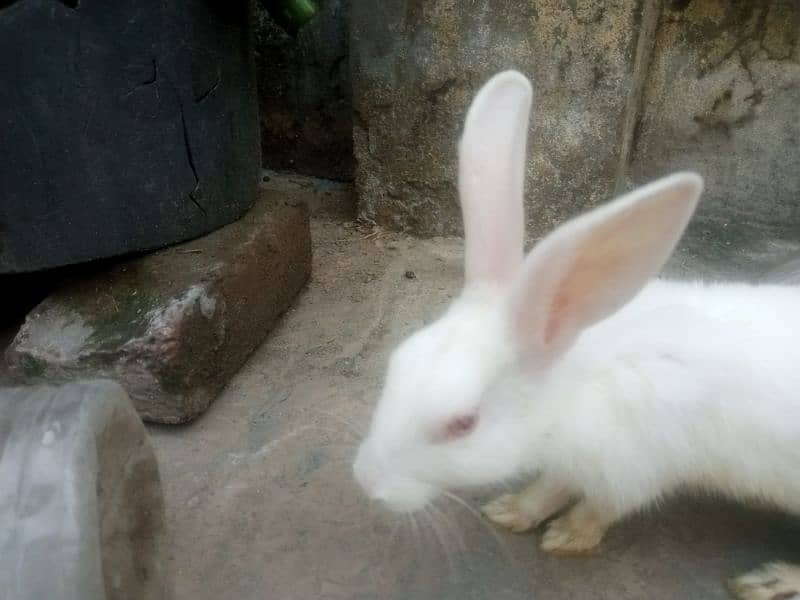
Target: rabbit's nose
396, 492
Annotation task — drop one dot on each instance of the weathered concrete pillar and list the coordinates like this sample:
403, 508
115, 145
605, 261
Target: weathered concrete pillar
417, 65
722, 96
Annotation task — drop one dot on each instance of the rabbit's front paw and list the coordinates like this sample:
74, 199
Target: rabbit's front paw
577, 532
776, 581
534, 504
507, 512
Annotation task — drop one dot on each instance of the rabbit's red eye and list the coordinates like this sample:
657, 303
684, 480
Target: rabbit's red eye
457, 427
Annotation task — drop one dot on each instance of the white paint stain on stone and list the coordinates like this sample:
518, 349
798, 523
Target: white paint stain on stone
59, 335
207, 306
48, 437
164, 319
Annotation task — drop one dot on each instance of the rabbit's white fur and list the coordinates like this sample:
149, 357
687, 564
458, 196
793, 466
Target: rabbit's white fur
570, 365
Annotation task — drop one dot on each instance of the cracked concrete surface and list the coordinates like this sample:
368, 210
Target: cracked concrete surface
261, 502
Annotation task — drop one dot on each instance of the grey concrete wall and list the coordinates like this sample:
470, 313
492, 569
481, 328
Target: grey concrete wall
625, 91
722, 95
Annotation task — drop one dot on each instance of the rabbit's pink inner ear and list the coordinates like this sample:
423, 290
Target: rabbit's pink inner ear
592, 266
559, 308
541, 307
491, 178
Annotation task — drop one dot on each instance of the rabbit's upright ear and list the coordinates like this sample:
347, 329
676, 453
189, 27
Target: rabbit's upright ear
593, 265
491, 177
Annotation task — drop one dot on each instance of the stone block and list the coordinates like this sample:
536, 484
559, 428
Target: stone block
175, 325
416, 67
81, 508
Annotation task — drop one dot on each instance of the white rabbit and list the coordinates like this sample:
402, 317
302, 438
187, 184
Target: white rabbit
574, 367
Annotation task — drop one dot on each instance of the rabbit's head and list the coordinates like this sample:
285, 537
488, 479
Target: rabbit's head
462, 396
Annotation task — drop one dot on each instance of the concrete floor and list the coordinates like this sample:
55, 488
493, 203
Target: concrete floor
261, 502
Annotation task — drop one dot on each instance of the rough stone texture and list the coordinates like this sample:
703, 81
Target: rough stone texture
305, 94
786, 273
322, 196
175, 325
81, 508
625, 92
260, 491
416, 67
722, 96
126, 126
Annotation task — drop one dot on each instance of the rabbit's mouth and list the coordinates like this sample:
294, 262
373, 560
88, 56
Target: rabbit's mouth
405, 495
398, 493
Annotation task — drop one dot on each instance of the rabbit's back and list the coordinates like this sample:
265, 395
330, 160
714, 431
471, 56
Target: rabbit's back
711, 392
